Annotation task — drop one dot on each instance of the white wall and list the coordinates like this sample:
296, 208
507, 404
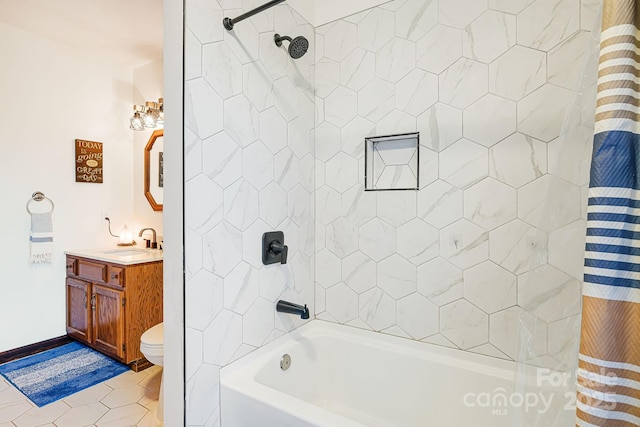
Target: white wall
51, 95
83, 99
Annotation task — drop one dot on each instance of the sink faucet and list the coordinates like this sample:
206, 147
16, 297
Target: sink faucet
154, 243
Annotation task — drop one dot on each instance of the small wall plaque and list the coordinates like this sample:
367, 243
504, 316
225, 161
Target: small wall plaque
88, 161
392, 162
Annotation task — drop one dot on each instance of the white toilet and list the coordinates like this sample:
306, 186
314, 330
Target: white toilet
152, 346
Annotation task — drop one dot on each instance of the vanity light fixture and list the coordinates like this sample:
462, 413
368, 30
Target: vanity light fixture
147, 116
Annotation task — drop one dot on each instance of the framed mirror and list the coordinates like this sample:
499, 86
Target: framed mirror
154, 170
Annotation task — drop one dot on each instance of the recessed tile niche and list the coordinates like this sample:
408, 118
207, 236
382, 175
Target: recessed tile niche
392, 162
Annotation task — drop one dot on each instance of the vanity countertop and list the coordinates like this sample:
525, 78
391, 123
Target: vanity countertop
124, 256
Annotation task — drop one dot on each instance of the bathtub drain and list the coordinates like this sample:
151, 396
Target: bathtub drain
285, 362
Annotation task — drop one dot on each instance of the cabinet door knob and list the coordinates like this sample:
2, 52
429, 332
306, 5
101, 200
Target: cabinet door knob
114, 276
93, 302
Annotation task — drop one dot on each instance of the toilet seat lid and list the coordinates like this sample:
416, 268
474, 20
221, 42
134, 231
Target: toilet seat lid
153, 336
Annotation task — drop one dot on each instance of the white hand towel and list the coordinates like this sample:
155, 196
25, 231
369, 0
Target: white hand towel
41, 238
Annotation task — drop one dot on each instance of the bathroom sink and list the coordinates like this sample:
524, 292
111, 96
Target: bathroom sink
126, 252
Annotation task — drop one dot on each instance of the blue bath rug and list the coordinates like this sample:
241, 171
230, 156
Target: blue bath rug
60, 372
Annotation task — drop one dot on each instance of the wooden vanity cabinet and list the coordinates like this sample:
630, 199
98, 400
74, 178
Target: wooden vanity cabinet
109, 306
94, 316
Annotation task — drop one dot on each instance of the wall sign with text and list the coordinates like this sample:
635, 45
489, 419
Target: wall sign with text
88, 161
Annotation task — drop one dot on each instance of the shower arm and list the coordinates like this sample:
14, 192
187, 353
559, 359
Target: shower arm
278, 39
229, 23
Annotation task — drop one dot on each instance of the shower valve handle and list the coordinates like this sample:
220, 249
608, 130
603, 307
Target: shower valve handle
273, 248
280, 249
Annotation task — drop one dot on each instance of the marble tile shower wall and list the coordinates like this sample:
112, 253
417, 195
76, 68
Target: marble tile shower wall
249, 169
487, 84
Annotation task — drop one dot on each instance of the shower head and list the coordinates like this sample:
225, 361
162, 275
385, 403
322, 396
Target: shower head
297, 47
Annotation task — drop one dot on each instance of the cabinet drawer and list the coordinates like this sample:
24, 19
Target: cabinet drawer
92, 270
72, 266
116, 275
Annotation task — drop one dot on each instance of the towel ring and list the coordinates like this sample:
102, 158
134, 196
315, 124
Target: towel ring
39, 196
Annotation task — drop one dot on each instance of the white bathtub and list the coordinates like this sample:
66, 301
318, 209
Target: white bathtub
347, 377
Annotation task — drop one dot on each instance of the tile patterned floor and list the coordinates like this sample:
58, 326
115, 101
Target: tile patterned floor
130, 399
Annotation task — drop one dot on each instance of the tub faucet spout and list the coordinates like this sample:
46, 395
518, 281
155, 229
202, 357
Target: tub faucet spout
154, 243
289, 307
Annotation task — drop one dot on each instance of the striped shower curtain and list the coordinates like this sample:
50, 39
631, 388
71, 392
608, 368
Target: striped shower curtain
609, 359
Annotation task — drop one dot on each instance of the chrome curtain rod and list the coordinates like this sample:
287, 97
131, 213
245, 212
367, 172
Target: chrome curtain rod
229, 23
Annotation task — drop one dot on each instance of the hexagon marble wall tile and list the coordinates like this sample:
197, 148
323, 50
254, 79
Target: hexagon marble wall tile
249, 113
487, 90
270, 148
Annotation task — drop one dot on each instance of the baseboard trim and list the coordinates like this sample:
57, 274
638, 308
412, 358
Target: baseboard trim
28, 350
